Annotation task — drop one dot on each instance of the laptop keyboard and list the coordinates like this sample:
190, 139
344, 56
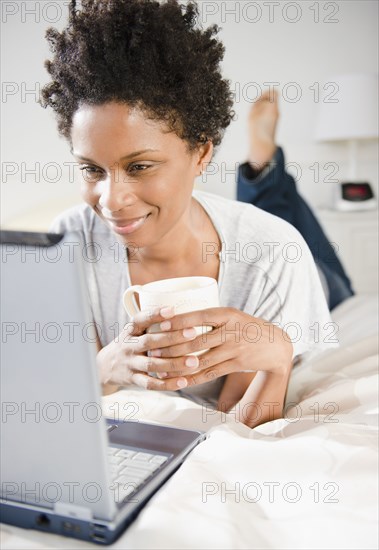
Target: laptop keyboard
130, 469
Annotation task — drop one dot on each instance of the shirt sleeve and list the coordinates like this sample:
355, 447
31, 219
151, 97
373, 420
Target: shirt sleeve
69, 220
293, 298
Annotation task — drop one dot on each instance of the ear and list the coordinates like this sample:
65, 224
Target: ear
205, 152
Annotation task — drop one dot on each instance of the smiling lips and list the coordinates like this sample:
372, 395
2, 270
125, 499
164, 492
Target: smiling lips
125, 227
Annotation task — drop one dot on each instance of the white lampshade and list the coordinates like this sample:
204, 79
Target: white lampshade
354, 113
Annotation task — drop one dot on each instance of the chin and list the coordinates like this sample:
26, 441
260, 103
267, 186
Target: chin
135, 242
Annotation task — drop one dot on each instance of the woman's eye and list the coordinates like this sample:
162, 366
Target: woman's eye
138, 167
90, 172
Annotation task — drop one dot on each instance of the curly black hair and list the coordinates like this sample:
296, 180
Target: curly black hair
144, 53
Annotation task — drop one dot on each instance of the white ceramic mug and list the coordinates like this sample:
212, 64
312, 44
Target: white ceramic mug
184, 294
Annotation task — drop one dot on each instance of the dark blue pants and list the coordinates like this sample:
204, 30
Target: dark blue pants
276, 193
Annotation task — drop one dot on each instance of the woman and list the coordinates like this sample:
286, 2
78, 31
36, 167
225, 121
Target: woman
138, 93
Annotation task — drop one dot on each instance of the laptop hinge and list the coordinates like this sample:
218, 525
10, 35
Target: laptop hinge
72, 511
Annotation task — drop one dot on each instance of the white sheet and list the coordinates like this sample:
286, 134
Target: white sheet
320, 461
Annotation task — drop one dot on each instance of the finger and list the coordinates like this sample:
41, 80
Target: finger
211, 317
205, 361
208, 340
178, 365
157, 340
150, 383
210, 374
144, 319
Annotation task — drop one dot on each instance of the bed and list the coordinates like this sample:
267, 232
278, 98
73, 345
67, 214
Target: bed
307, 481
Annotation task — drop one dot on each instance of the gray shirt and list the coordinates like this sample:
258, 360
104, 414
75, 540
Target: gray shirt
266, 270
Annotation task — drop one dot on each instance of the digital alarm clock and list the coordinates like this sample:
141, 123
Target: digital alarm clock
354, 196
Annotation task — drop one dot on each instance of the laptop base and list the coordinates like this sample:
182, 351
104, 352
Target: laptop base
49, 522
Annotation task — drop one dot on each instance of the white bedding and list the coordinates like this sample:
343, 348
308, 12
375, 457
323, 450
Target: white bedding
306, 481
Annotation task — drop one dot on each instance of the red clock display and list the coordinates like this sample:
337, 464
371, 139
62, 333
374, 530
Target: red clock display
356, 191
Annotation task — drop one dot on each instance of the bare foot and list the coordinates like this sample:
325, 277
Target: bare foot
263, 119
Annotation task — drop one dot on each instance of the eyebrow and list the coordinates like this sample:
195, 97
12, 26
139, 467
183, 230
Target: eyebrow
126, 157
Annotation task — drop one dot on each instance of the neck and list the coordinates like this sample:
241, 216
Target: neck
180, 252
180, 244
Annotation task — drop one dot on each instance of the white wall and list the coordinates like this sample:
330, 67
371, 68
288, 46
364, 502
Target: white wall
262, 45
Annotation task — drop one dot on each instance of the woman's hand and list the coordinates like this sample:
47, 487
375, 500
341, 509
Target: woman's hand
237, 343
125, 360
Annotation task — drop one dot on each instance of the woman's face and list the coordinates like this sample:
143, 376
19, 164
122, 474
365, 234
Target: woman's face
137, 176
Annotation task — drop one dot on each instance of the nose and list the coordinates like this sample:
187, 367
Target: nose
116, 191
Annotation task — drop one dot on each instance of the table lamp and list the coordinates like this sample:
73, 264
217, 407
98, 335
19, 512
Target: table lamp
349, 112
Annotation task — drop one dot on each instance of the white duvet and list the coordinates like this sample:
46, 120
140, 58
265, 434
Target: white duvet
306, 481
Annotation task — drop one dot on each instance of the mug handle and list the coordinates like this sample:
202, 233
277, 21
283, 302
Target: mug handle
129, 300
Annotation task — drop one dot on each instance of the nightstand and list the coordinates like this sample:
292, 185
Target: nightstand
355, 235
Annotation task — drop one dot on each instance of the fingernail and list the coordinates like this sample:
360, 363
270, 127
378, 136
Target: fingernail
166, 325
181, 383
162, 374
167, 312
155, 353
191, 362
189, 333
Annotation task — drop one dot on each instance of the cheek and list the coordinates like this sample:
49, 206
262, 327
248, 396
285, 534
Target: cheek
179, 186
88, 193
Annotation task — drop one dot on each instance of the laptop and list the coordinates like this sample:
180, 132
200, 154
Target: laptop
65, 468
